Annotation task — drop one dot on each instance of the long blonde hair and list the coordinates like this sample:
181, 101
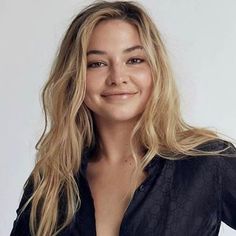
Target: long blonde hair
69, 127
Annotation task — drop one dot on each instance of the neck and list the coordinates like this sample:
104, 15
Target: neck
114, 141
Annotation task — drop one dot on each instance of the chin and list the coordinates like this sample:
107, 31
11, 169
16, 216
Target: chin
122, 117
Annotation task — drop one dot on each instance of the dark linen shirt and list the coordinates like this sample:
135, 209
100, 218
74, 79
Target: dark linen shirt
187, 197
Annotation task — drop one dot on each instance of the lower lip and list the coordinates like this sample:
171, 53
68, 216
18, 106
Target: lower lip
119, 96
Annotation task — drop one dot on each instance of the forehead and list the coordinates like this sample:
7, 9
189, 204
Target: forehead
114, 34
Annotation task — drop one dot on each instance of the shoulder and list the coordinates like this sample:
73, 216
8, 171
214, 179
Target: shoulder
209, 163
226, 148
218, 144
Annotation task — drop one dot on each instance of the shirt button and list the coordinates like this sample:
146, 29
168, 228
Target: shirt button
141, 188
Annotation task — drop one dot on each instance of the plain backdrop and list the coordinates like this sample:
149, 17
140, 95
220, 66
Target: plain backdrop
200, 36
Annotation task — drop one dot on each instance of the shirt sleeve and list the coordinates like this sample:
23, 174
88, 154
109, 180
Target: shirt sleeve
228, 181
21, 223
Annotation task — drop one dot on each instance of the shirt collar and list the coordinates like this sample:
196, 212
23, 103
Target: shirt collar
156, 163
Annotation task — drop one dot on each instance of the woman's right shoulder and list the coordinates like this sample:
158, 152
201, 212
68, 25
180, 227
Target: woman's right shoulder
21, 223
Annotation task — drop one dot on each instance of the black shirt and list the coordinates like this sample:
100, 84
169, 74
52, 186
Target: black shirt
190, 197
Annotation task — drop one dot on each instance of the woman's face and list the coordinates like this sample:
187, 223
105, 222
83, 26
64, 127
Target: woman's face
118, 79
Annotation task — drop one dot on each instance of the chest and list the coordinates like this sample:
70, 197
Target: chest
110, 191
177, 199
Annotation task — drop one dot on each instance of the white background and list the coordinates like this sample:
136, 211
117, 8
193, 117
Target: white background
200, 36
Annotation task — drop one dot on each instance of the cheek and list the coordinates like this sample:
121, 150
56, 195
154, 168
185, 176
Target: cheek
89, 91
144, 81
92, 86
93, 90
94, 81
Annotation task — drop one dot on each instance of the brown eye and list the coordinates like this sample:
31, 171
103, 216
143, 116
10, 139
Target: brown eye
135, 61
95, 64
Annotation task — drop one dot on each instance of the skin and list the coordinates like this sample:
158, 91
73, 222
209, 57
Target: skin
115, 71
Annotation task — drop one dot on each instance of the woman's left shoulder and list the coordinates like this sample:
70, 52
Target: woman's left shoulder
227, 155
226, 160
216, 172
223, 163
221, 168
227, 173
218, 144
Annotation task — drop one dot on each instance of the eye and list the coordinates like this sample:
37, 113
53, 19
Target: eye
95, 64
136, 61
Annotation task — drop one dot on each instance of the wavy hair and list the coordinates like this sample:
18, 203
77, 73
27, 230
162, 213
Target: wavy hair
69, 126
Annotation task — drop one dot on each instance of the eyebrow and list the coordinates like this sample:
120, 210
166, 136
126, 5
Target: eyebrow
127, 50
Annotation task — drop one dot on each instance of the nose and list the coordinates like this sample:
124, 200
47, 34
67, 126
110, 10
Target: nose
117, 74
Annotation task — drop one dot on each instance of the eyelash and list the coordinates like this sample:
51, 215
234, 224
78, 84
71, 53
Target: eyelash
90, 65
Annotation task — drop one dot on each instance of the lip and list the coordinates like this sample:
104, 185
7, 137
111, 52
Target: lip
109, 94
116, 97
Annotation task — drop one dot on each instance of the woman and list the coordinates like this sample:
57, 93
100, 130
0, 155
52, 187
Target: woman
117, 158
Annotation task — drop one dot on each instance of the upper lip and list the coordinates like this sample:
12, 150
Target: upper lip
109, 93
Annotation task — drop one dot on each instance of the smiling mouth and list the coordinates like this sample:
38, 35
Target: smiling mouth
117, 93
120, 96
